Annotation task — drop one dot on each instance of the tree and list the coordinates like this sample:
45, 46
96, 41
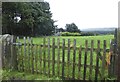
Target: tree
9, 11
36, 18
61, 30
72, 28
42, 16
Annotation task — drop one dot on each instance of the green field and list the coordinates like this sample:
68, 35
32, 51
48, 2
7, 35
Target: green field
80, 40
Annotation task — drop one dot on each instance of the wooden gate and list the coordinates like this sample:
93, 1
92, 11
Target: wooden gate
65, 61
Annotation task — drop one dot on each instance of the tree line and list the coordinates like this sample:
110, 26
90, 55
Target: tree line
36, 18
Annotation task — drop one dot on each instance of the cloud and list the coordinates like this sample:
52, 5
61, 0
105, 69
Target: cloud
85, 13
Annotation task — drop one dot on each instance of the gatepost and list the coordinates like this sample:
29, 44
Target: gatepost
118, 43
13, 53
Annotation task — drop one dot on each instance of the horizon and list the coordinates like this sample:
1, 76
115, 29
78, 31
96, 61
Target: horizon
100, 28
85, 14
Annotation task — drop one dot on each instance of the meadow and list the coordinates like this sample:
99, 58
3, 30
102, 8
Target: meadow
80, 40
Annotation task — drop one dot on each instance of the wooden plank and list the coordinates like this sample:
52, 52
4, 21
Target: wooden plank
79, 62
3, 54
44, 56
74, 57
24, 59
71, 47
29, 42
115, 52
13, 54
63, 58
58, 59
118, 46
91, 60
68, 60
85, 60
53, 56
8, 56
18, 53
40, 56
112, 54
82, 65
32, 54
26, 56
110, 66
48, 57
22, 65
97, 60
36, 58
103, 60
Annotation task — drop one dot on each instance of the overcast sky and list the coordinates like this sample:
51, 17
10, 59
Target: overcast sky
85, 13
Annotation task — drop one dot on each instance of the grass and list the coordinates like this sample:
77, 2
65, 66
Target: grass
15, 75
80, 40
38, 53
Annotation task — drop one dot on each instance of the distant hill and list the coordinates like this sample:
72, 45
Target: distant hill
100, 30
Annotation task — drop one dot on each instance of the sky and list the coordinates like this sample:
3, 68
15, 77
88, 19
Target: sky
85, 13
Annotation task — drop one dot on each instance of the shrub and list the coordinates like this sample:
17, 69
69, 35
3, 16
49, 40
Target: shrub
70, 34
87, 34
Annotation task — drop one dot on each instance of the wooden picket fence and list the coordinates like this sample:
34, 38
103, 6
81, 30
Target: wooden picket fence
65, 61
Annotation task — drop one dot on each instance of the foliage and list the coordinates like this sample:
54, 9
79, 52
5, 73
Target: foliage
72, 28
36, 18
88, 34
61, 30
70, 34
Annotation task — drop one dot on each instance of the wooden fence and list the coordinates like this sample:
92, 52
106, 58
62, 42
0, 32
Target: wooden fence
66, 61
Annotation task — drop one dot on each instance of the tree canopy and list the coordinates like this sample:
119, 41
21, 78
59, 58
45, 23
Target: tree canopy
35, 18
72, 28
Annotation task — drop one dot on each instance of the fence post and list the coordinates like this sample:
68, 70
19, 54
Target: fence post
58, 58
44, 55
68, 60
74, 58
63, 58
48, 57
0, 53
91, 59
85, 59
110, 67
97, 60
115, 53
118, 49
118, 68
1, 58
13, 54
112, 71
53, 56
118, 43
